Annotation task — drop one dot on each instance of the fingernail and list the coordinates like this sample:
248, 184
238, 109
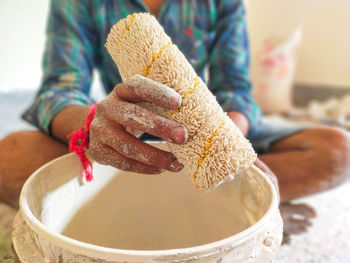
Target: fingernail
176, 166
178, 135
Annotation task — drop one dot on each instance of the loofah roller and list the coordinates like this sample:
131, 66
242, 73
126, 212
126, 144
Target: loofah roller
216, 149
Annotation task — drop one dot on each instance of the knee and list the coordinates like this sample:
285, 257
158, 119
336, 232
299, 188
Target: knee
8, 186
331, 147
12, 171
21, 153
334, 141
16, 140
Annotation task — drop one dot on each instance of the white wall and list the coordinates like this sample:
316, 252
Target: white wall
22, 31
22, 27
324, 54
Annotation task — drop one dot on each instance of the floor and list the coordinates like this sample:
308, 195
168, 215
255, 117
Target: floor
327, 242
6, 217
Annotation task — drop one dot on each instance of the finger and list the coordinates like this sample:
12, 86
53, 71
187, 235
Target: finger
304, 210
132, 148
138, 88
258, 163
139, 118
133, 132
108, 156
294, 230
297, 226
263, 167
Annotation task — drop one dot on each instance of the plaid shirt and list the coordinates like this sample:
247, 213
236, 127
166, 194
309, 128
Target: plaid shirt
211, 33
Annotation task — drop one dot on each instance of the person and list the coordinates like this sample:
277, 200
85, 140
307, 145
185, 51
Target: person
213, 37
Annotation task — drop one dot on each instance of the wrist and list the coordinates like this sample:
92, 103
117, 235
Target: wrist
79, 142
69, 119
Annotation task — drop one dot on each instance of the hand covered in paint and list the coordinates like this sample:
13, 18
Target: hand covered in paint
118, 113
263, 167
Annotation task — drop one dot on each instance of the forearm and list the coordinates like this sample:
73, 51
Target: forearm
69, 119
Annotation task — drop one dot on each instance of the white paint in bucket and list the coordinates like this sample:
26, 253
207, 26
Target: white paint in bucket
124, 217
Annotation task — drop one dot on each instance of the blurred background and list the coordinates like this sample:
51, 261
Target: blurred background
300, 54
323, 56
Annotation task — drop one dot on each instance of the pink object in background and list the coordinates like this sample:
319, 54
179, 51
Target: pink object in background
273, 73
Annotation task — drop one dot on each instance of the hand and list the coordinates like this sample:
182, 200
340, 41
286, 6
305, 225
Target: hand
263, 167
112, 144
240, 120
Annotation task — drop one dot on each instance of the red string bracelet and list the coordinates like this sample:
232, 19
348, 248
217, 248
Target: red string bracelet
79, 143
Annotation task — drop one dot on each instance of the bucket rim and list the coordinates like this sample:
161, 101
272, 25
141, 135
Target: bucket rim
112, 254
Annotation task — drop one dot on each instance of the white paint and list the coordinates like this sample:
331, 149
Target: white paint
164, 204
144, 212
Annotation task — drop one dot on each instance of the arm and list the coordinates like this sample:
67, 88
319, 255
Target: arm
229, 67
229, 72
62, 103
67, 68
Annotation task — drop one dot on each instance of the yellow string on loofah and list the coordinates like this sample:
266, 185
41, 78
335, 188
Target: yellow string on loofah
190, 91
126, 29
216, 150
132, 17
187, 93
154, 57
206, 151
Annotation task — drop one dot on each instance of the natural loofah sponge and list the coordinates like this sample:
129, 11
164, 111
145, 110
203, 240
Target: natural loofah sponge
216, 150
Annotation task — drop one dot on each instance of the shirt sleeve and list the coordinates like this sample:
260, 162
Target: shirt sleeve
68, 62
229, 63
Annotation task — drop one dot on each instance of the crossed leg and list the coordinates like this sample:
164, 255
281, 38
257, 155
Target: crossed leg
21, 153
308, 162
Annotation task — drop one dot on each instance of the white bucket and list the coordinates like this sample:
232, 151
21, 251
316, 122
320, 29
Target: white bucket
126, 217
